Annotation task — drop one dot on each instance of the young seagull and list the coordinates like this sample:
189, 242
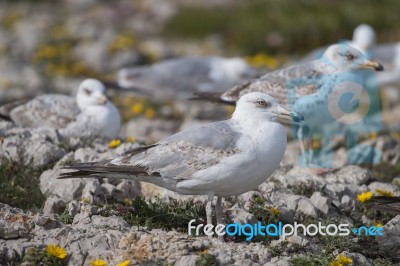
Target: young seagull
306, 87
219, 159
90, 113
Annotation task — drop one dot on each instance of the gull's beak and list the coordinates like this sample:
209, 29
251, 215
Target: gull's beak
367, 64
286, 116
102, 100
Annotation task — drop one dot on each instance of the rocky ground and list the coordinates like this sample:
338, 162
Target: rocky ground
117, 220
46, 49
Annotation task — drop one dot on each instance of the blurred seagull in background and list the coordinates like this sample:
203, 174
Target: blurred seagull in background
90, 113
364, 39
218, 159
306, 87
179, 78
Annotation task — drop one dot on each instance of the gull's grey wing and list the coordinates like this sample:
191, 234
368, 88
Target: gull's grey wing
170, 78
50, 110
176, 157
302, 77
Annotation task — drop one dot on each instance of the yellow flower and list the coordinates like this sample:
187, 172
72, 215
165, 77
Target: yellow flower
131, 139
341, 260
275, 211
365, 196
150, 113
137, 108
316, 144
124, 263
262, 60
377, 224
56, 251
203, 252
98, 263
372, 135
382, 192
121, 42
114, 143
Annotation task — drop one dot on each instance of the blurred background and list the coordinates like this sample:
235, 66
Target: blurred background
48, 47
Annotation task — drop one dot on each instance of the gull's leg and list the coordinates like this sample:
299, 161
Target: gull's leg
302, 146
219, 213
209, 208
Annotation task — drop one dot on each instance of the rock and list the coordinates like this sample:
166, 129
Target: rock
150, 129
53, 205
297, 239
390, 241
292, 201
188, 260
74, 207
387, 187
358, 259
241, 216
128, 189
47, 223
350, 174
279, 261
93, 192
305, 206
14, 223
85, 214
320, 202
37, 146
50, 184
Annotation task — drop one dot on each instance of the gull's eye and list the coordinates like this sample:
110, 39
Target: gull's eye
262, 103
87, 91
349, 56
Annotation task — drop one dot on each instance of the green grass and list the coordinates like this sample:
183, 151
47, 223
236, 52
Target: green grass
19, 185
314, 260
157, 214
300, 25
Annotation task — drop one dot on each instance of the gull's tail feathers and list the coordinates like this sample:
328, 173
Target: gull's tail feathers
104, 169
385, 203
214, 97
112, 85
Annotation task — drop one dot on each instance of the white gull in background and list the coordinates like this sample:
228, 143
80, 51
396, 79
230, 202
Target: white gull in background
179, 78
218, 159
306, 87
90, 113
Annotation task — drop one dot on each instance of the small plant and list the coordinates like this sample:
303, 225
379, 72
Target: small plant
314, 260
52, 256
65, 217
206, 259
157, 214
305, 189
16, 181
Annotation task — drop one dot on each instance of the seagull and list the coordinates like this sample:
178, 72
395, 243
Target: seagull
219, 159
364, 38
90, 113
388, 54
385, 203
179, 78
307, 87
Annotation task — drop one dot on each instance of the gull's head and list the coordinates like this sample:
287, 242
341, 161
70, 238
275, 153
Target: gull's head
347, 58
90, 93
263, 108
363, 37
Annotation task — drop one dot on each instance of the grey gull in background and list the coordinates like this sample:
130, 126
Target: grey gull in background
179, 78
306, 87
218, 159
90, 113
